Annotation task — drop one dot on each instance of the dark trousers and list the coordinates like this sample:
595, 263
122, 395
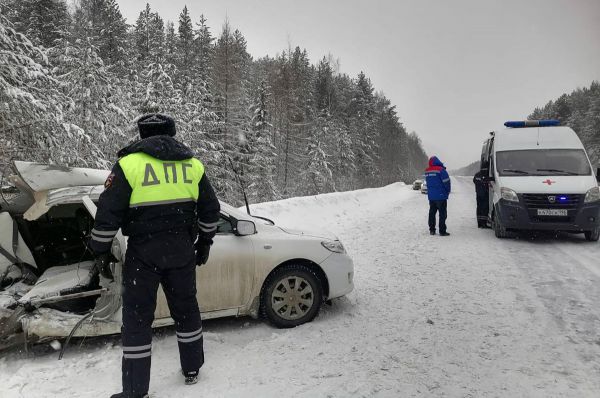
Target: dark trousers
482, 210
441, 207
167, 258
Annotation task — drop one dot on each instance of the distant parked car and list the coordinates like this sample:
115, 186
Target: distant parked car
417, 185
424, 187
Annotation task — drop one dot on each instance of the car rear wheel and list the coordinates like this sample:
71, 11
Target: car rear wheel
592, 236
291, 296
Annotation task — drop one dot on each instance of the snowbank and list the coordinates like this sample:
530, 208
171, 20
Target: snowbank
332, 210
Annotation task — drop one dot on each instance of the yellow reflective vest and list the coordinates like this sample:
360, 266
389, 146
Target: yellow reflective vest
156, 182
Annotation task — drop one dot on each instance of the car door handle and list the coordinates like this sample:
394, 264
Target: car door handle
267, 246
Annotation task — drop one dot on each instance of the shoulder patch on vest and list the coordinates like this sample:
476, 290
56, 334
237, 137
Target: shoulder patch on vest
109, 181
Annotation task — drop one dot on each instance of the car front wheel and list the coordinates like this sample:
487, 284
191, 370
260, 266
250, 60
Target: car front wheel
292, 295
499, 230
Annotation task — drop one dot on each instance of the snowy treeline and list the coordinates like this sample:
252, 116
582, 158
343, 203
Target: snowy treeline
72, 80
579, 110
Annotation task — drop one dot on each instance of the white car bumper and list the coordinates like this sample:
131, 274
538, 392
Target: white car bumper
339, 269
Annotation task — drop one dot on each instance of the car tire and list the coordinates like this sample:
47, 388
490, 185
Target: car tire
499, 230
291, 296
593, 235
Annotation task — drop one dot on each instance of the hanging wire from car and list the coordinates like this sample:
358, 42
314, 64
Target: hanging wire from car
77, 326
92, 312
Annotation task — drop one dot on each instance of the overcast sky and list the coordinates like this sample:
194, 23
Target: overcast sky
455, 69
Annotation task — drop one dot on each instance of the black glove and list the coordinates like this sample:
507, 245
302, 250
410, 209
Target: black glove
202, 252
103, 265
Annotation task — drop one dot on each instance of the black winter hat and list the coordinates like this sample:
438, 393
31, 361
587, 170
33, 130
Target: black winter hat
153, 124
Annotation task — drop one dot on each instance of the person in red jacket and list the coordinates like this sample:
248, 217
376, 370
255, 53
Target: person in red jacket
438, 189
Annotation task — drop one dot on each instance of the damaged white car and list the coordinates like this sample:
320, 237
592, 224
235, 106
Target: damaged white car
49, 287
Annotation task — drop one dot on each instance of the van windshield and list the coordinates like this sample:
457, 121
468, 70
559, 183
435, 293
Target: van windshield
542, 162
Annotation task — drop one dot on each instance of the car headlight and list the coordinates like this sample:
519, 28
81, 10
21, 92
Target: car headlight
592, 195
509, 194
333, 246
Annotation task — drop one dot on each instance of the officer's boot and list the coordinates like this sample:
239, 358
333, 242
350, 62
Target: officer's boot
123, 395
191, 378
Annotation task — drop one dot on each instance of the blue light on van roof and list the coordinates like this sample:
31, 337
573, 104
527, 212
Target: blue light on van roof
533, 123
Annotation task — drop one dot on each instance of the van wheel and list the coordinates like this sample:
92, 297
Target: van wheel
499, 230
592, 236
291, 296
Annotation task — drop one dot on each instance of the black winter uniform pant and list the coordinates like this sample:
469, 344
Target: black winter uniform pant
441, 207
482, 210
167, 258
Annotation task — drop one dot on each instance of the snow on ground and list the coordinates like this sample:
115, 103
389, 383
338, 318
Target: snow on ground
462, 316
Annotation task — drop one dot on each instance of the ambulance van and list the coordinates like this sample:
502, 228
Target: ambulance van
540, 178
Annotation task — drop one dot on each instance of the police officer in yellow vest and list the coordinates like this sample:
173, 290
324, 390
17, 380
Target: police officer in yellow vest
160, 196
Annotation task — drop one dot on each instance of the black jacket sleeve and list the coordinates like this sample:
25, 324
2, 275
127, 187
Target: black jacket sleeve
208, 211
112, 209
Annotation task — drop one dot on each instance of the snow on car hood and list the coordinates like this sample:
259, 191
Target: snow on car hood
313, 234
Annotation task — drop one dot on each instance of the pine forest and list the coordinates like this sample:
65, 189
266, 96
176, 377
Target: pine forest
73, 79
579, 110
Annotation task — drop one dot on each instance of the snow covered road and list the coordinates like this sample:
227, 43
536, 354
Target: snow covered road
463, 316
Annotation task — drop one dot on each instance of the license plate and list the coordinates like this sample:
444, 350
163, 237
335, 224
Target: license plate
552, 212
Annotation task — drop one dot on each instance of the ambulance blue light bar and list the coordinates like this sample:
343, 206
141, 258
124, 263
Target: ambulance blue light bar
533, 123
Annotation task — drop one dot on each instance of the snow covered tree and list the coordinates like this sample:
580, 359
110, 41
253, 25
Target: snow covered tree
262, 156
361, 113
317, 176
42, 21
204, 50
149, 36
230, 63
579, 110
291, 78
142, 33
101, 22
158, 92
31, 107
591, 131
170, 43
96, 113
185, 44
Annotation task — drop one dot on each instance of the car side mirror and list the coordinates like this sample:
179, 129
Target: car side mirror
598, 175
244, 228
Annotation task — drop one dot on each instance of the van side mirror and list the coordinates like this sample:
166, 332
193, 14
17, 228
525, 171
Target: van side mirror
598, 174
